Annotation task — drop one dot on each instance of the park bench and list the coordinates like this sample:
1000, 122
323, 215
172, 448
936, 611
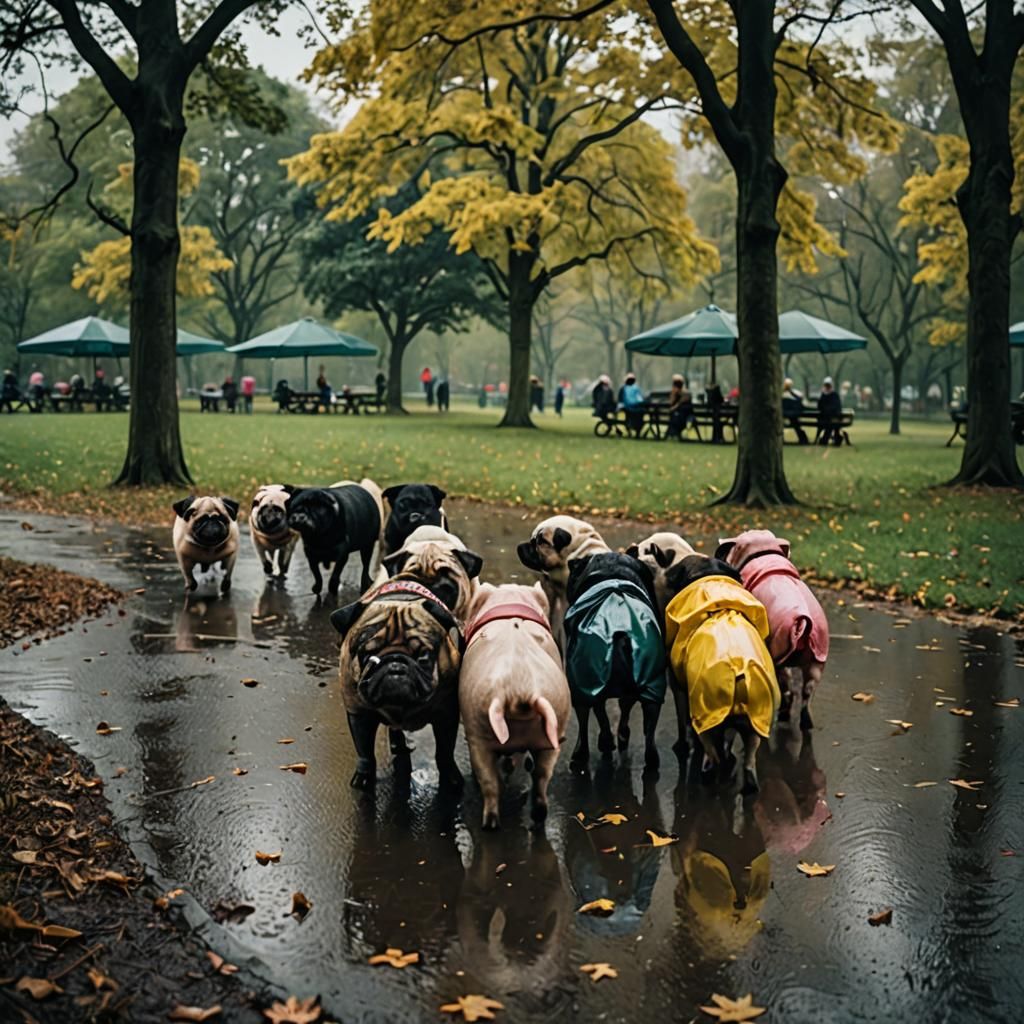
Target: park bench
809, 421
72, 401
959, 418
352, 401
656, 417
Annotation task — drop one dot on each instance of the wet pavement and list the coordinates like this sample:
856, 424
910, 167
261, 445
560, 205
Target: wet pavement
722, 910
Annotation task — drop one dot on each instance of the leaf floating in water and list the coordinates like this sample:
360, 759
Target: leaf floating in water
963, 712
267, 858
599, 971
923, 785
1012, 702
726, 1009
203, 782
301, 906
864, 698
299, 767
882, 917
105, 728
394, 958
473, 1008
815, 870
962, 784
614, 819
666, 840
294, 1011
250, 682
601, 907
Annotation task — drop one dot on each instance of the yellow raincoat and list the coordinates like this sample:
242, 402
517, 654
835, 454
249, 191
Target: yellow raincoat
715, 632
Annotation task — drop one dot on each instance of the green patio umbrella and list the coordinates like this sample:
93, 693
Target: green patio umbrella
1017, 333
193, 344
705, 332
801, 332
89, 336
306, 337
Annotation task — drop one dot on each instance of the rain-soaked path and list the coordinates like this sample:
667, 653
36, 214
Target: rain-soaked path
723, 910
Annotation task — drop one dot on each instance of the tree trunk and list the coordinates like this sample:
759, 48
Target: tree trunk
897, 388
760, 479
155, 454
396, 354
520, 324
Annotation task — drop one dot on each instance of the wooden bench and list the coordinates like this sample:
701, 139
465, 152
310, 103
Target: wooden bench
959, 418
809, 420
656, 418
352, 401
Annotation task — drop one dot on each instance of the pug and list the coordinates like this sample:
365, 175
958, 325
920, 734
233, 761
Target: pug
206, 533
614, 647
440, 561
399, 667
715, 631
272, 537
513, 694
553, 544
658, 552
333, 522
799, 628
411, 506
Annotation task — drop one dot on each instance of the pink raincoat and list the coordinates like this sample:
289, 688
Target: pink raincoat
796, 619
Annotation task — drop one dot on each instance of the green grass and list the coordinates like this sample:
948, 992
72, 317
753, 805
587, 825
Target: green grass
871, 517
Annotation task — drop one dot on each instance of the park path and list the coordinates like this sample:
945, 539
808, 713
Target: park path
724, 909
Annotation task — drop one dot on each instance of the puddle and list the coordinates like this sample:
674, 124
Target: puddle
723, 910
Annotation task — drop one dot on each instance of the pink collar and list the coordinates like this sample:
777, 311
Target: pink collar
410, 587
505, 611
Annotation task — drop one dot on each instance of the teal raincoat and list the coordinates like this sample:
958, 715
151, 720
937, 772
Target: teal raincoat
610, 607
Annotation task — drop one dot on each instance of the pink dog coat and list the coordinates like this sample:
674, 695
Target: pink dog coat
796, 619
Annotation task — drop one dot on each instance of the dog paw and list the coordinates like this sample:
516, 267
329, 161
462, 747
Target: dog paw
805, 719
750, 786
363, 780
681, 749
225, 587
605, 742
317, 587
579, 762
401, 762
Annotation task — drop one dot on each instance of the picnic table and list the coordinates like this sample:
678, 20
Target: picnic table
354, 400
714, 419
959, 418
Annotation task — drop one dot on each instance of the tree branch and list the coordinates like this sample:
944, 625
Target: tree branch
204, 37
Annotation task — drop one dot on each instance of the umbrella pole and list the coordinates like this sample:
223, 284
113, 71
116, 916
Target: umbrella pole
270, 376
714, 369
305, 373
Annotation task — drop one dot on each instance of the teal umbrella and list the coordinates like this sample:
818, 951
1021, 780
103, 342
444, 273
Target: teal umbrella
193, 344
705, 332
306, 337
1017, 333
89, 336
800, 332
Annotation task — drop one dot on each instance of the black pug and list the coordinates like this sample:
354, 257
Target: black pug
412, 506
614, 647
333, 522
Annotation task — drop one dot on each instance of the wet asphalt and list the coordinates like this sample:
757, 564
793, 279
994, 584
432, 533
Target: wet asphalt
722, 910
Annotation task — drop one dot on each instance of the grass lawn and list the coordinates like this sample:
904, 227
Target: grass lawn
870, 517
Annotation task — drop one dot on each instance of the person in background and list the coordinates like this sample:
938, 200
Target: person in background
716, 400
631, 398
427, 380
536, 394
230, 391
734, 395
830, 408
326, 394
602, 397
101, 391
76, 390
121, 395
680, 407
10, 392
443, 395
282, 395
559, 398
481, 398
792, 407
380, 383
248, 392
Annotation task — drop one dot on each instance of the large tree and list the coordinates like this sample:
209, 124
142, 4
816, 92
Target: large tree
982, 43
760, 82
422, 287
167, 40
527, 142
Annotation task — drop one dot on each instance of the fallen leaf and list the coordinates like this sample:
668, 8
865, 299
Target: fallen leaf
599, 971
614, 819
923, 785
666, 840
726, 1009
301, 906
239, 771
864, 698
473, 1007
37, 988
231, 912
1012, 702
194, 1013
815, 869
267, 858
11, 920
25, 856
905, 726
58, 931
100, 980
294, 1011
840, 795
250, 682
394, 958
964, 712
163, 902
601, 906
299, 767
499, 869
962, 784
203, 782
219, 964
105, 728
882, 917
287, 739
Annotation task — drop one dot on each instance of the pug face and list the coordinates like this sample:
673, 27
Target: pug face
738, 550
397, 654
208, 519
555, 542
446, 571
413, 505
270, 509
313, 511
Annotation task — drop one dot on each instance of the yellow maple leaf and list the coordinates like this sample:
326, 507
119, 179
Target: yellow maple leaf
726, 1009
599, 971
473, 1007
394, 958
601, 906
815, 869
657, 840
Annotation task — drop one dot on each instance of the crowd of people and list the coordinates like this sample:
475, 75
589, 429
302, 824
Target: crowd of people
72, 393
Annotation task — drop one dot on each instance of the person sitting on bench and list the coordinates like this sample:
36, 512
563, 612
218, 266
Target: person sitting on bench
792, 407
830, 409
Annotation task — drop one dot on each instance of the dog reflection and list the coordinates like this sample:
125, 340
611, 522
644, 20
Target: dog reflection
201, 623
513, 923
724, 875
791, 807
628, 872
404, 875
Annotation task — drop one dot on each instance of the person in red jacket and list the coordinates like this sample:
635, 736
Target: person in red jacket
427, 380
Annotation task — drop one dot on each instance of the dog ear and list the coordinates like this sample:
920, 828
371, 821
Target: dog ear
390, 494
662, 557
182, 507
720, 568
231, 505
343, 619
290, 489
784, 544
470, 562
560, 539
438, 494
395, 563
724, 547
255, 500
633, 551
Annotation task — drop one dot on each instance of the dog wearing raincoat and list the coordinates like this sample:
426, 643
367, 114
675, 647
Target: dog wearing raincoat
614, 648
799, 628
715, 632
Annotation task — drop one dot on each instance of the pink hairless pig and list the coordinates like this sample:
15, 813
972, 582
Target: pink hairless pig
799, 629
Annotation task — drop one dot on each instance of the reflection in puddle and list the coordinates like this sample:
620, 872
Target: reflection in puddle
723, 909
